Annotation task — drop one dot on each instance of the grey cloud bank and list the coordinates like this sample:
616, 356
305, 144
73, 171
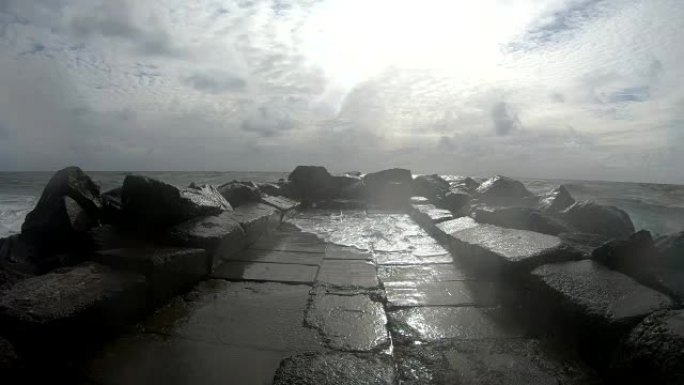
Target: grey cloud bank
563, 88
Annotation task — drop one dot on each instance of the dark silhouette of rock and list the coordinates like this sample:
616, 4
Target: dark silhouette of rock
353, 190
555, 200
432, 186
115, 237
629, 255
501, 190
152, 205
454, 200
590, 217
671, 250
653, 353
390, 187
50, 213
9, 361
112, 209
466, 184
238, 193
312, 183
519, 218
583, 242
269, 188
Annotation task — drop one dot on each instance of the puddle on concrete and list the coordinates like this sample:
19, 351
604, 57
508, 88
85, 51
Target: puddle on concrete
348, 322
422, 273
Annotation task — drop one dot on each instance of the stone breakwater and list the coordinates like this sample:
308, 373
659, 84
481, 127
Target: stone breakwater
89, 264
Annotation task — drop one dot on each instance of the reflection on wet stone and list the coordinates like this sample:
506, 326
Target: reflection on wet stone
452, 293
348, 274
348, 322
422, 273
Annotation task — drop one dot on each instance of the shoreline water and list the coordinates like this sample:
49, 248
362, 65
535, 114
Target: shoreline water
655, 207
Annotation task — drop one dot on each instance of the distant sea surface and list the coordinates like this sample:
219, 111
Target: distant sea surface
655, 207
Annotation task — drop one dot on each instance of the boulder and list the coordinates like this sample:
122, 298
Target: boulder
269, 188
501, 190
169, 271
54, 313
432, 186
427, 215
221, 236
356, 190
152, 205
599, 299
114, 237
590, 217
238, 193
50, 213
519, 218
256, 220
455, 200
583, 242
654, 352
312, 183
630, 255
391, 187
467, 184
9, 360
555, 200
111, 206
671, 250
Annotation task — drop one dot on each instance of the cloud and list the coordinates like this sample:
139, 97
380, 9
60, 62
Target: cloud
267, 123
216, 83
505, 119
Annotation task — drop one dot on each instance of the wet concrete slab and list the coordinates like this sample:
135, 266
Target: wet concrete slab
348, 274
153, 359
437, 323
488, 362
257, 271
597, 295
422, 273
333, 251
256, 220
277, 256
336, 369
449, 293
281, 203
289, 238
242, 314
348, 322
429, 215
409, 258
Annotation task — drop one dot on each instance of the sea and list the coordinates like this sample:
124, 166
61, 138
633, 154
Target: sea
658, 208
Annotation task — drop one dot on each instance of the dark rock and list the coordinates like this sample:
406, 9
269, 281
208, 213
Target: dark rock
391, 187
50, 213
169, 271
432, 186
629, 255
555, 200
583, 242
335, 369
428, 215
256, 220
281, 203
238, 193
341, 204
289, 190
112, 208
454, 200
269, 188
519, 218
671, 250
654, 351
221, 236
488, 362
466, 184
501, 190
596, 297
59, 310
312, 183
153, 205
666, 280
590, 217
113, 237
356, 190
9, 360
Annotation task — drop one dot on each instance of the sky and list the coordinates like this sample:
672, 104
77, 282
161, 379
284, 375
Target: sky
566, 89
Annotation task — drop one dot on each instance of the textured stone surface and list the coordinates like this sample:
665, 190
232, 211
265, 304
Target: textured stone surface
428, 214
348, 253
276, 272
335, 369
492, 249
169, 271
348, 322
422, 273
432, 186
221, 236
654, 351
277, 256
256, 220
281, 203
590, 217
152, 359
288, 238
312, 183
598, 295
71, 305
556, 200
448, 293
408, 258
436, 323
239, 193
520, 218
247, 314
502, 190
348, 274
488, 362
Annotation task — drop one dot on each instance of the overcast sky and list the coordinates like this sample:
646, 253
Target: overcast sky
583, 89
